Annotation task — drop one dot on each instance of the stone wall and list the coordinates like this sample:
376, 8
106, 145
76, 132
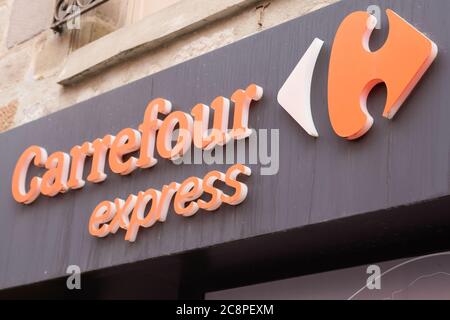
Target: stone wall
32, 56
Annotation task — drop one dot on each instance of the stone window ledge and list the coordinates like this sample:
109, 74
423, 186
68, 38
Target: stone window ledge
151, 32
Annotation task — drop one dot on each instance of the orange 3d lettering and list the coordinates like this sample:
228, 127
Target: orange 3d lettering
65, 172
108, 217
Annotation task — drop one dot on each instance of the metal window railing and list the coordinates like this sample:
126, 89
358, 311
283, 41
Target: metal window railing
67, 10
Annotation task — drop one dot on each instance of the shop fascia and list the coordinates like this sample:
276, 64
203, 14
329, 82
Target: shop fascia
64, 172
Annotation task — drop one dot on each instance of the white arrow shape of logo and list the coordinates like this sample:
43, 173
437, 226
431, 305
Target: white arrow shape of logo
295, 95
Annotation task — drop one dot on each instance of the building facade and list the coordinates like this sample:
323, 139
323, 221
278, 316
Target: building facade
40, 68
93, 91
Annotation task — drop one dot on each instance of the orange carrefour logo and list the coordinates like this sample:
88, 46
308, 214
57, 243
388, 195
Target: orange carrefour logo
354, 71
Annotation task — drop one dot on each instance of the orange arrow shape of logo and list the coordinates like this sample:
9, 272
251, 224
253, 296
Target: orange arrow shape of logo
354, 70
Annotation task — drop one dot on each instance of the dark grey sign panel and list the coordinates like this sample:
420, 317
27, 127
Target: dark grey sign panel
400, 162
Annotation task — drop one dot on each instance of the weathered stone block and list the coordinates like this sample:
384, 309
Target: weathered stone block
29, 18
7, 114
14, 67
49, 52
